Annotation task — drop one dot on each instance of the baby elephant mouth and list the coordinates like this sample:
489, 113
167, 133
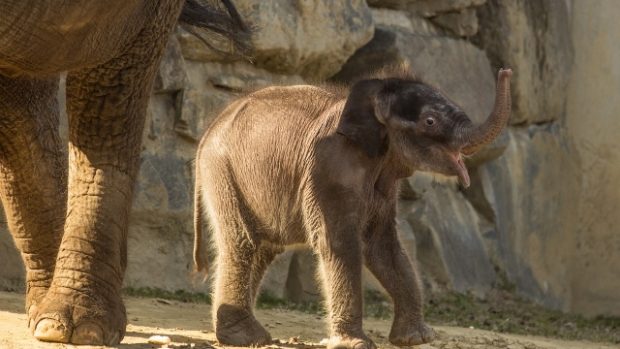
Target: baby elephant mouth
460, 168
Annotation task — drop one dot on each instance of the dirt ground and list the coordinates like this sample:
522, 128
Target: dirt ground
189, 326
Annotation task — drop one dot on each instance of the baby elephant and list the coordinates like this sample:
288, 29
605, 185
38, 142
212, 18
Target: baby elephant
320, 166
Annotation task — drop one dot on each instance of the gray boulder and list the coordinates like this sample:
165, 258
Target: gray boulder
293, 276
533, 192
309, 38
275, 279
427, 8
534, 39
171, 74
431, 8
12, 273
449, 236
463, 23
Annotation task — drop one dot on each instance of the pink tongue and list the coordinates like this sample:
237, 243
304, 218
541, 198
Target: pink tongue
463, 174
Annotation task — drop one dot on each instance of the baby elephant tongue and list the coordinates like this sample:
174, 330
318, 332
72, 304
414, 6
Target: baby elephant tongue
461, 169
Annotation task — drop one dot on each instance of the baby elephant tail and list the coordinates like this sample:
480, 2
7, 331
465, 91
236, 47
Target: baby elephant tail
200, 256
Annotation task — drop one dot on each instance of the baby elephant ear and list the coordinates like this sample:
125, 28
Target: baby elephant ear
363, 118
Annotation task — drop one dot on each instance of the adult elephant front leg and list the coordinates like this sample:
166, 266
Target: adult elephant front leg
106, 107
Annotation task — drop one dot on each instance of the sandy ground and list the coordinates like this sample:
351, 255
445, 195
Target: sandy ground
189, 326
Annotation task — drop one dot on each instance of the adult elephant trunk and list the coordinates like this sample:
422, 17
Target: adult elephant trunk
473, 137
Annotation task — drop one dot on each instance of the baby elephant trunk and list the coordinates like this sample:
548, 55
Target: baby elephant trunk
475, 137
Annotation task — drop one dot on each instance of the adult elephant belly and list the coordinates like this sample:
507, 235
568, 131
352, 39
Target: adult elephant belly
50, 36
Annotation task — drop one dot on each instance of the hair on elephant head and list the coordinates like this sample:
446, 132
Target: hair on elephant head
298, 164
425, 128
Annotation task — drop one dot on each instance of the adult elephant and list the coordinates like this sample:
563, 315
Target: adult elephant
72, 229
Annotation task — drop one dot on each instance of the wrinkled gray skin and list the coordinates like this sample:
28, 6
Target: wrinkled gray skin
72, 229
305, 164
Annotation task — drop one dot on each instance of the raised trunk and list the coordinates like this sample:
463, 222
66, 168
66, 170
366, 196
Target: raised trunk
472, 138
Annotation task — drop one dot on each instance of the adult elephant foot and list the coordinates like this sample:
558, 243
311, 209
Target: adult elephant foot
83, 304
66, 315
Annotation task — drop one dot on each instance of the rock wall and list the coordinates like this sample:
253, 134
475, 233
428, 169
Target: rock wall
593, 120
539, 214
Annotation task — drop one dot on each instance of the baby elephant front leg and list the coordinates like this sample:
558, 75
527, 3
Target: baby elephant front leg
389, 263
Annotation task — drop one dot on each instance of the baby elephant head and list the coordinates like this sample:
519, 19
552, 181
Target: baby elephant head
418, 126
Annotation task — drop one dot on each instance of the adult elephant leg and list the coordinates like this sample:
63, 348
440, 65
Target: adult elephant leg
32, 176
389, 263
106, 106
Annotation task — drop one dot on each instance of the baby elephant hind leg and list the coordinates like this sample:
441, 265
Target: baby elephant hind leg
233, 314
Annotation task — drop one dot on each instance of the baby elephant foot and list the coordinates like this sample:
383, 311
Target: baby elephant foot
337, 342
238, 327
411, 334
79, 317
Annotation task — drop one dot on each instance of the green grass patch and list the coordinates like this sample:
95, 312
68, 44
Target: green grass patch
266, 300
375, 305
502, 311
179, 295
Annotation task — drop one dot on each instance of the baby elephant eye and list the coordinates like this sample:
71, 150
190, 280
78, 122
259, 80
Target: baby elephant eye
429, 121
